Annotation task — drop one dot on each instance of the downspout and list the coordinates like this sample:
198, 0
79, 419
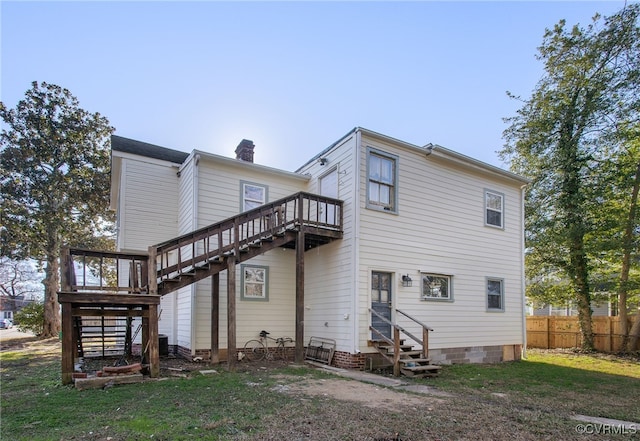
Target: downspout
194, 226
355, 255
523, 277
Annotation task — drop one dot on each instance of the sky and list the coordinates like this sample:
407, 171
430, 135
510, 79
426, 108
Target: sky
291, 76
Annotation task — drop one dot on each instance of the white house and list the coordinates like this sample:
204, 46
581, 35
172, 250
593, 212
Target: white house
429, 237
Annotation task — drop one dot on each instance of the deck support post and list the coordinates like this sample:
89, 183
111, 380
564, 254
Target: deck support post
153, 340
299, 355
214, 357
231, 313
68, 349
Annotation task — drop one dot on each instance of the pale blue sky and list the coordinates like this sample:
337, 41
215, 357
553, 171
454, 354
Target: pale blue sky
291, 76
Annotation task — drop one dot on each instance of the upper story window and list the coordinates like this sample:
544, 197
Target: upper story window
382, 180
253, 195
493, 209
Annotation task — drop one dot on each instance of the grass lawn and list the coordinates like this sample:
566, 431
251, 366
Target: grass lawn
529, 400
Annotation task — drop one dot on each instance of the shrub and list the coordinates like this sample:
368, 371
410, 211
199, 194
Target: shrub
30, 318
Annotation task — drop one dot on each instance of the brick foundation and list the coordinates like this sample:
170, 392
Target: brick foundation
346, 360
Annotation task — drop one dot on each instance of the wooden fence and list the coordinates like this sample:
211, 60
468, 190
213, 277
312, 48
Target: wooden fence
550, 332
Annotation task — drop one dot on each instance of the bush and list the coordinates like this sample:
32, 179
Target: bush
30, 318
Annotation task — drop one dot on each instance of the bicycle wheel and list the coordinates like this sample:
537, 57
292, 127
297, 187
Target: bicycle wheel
282, 347
254, 350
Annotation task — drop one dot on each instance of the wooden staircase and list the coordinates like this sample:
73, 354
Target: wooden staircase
403, 357
101, 284
412, 363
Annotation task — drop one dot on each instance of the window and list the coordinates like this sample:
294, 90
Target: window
494, 209
436, 287
495, 294
253, 195
382, 181
255, 282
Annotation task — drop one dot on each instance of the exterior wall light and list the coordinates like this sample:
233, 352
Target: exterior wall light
406, 280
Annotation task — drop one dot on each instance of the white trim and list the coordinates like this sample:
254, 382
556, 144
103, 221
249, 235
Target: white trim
523, 281
355, 259
194, 226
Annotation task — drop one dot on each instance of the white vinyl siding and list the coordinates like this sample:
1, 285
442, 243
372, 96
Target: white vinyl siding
148, 210
219, 190
439, 231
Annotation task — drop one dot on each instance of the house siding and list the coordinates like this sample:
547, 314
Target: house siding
219, 189
330, 297
440, 228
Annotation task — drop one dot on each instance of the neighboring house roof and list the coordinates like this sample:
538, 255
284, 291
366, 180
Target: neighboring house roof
127, 145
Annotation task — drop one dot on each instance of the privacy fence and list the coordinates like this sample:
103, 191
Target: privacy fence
550, 332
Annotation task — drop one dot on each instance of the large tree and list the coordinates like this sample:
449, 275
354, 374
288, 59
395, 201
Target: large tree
54, 183
561, 135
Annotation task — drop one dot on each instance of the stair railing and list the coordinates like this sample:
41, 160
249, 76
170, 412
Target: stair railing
425, 334
215, 242
395, 342
134, 273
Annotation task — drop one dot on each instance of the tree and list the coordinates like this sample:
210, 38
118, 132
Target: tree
562, 134
54, 182
31, 318
19, 281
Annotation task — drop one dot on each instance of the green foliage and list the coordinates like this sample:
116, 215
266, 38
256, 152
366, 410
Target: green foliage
54, 182
55, 162
572, 129
30, 318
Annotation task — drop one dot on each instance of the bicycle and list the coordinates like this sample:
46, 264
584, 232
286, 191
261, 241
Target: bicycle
256, 350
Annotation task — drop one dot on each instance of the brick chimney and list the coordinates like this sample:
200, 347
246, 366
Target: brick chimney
244, 151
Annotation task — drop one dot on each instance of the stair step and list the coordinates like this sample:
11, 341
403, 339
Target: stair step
428, 367
390, 348
414, 360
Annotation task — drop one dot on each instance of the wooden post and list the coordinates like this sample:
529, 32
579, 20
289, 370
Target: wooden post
145, 336
152, 271
231, 313
65, 283
68, 347
425, 342
154, 342
215, 319
299, 354
396, 351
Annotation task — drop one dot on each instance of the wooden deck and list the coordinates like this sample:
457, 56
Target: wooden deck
106, 283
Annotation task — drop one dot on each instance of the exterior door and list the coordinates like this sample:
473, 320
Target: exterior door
329, 187
381, 303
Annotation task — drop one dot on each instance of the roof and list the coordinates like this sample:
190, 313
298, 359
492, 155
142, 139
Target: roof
127, 145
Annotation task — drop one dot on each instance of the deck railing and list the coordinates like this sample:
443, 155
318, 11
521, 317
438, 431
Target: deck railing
91, 270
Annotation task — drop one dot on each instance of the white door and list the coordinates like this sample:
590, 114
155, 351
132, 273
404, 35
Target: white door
329, 187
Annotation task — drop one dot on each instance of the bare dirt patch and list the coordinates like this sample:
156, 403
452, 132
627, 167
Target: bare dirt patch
364, 394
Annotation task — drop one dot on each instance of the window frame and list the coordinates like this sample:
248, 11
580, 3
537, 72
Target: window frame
488, 192
392, 207
500, 295
449, 279
264, 297
244, 200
